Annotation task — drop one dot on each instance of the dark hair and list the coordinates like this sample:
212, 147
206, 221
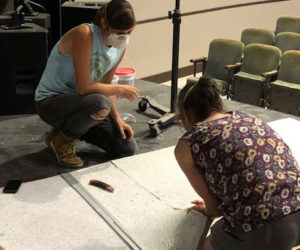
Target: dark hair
202, 98
118, 14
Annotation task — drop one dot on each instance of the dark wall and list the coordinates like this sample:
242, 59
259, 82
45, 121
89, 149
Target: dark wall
53, 7
64, 14
76, 13
6, 5
23, 54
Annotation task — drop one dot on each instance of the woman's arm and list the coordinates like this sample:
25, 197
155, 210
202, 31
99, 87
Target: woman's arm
184, 158
81, 47
123, 126
107, 79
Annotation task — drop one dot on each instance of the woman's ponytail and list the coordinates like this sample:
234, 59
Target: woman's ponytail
201, 98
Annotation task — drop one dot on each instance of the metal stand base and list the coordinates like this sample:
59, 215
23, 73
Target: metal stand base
156, 125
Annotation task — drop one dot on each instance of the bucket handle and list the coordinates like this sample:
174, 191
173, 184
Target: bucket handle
129, 60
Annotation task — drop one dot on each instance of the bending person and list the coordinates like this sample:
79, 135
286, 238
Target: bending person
243, 171
75, 96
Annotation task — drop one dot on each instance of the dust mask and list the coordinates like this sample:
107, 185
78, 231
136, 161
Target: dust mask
118, 41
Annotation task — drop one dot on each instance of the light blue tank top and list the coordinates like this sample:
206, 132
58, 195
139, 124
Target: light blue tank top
59, 75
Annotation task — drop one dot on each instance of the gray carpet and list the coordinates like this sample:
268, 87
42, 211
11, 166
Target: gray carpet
24, 154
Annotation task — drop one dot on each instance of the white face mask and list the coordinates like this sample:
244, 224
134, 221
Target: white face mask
118, 41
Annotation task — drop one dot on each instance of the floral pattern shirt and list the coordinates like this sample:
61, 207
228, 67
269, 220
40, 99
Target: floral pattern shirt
248, 168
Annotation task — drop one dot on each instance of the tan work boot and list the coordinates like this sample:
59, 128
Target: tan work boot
50, 135
64, 148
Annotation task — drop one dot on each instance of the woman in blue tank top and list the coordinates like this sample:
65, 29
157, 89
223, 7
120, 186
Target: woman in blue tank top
75, 96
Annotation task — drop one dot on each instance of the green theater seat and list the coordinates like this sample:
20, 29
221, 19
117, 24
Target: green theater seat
288, 24
260, 63
224, 57
284, 93
255, 35
287, 41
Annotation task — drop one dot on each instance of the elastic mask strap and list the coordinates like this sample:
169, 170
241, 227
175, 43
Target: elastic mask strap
105, 17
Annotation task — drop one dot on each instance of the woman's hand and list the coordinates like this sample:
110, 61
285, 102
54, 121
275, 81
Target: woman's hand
200, 207
125, 130
129, 92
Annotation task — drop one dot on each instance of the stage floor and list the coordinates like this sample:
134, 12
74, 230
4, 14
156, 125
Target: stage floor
64, 212
147, 209
24, 154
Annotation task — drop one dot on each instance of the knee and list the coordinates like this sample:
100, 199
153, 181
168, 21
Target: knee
98, 102
100, 115
127, 148
99, 106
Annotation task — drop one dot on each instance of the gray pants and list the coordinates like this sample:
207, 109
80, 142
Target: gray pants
70, 113
282, 234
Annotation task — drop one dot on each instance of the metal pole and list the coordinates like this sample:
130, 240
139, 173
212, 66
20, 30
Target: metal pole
176, 17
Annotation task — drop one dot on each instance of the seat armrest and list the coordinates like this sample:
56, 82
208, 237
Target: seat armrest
231, 70
198, 60
233, 66
270, 73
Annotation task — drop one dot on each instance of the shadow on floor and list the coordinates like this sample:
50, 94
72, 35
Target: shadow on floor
42, 164
23, 152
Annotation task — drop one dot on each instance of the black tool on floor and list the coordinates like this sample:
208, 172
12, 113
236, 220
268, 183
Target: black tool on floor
12, 186
157, 125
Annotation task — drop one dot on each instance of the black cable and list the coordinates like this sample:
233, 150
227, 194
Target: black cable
38, 5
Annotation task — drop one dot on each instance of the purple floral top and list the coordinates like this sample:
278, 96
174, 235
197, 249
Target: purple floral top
248, 167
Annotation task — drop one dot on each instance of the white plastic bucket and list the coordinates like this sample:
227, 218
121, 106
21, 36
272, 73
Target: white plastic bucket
115, 80
126, 75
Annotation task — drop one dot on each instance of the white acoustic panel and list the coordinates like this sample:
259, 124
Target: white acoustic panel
159, 173
48, 214
147, 218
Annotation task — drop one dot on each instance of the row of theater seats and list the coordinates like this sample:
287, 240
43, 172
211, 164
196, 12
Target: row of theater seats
284, 40
262, 70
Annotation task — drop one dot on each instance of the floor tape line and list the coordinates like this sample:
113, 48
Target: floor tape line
101, 211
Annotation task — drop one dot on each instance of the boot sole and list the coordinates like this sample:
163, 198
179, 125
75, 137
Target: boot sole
62, 163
